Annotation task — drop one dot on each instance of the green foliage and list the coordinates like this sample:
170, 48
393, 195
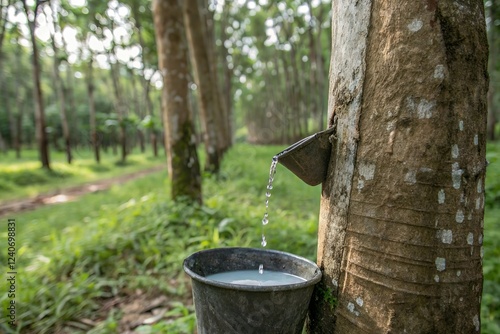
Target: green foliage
24, 177
490, 305
326, 295
492, 188
133, 236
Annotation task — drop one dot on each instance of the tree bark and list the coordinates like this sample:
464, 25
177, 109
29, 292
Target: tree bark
41, 135
58, 82
119, 103
92, 113
209, 109
492, 120
401, 219
180, 138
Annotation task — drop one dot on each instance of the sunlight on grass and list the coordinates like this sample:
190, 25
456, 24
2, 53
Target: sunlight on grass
24, 178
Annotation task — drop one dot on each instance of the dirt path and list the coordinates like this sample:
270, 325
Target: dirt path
70, 193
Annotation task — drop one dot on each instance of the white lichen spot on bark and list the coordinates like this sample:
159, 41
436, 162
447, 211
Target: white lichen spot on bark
446, 236
440, 263
481, 251
476, 323
470, 238
361, 184
426, 170
459, 217
459, 272
478, 203
456, 175
411, 177
335, 283
367, 171
423, 108
359, 301
350, 307
454, 151
480, 239
415, 25
461, 125
439, 72
436, 278
441, 196
476, 140
480, 186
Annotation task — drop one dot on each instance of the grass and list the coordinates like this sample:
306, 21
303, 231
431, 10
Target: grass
76, 255
24, 177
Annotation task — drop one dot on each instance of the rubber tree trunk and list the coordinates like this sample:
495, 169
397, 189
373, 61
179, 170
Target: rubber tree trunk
119, 100
209, 105
492, 119
401, 218
41, 135
59, 85
180, 138
92, 110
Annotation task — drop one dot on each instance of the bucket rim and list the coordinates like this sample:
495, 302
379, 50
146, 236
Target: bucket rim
255, 288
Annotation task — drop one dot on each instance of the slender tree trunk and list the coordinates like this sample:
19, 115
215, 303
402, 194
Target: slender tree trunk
92, 113
4, 7
145, 82
60, 89
69, 92
3, 146
19, 121
20, 103
226, 93
41, 135
401, 219
222, 113
119, 103
491, 69
180, 143
209, 109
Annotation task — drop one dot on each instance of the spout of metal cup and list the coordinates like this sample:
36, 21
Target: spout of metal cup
309, 157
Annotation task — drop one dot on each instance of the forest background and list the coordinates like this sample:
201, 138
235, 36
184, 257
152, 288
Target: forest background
92, 94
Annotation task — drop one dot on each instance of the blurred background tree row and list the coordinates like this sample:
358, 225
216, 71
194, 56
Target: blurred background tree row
100, 85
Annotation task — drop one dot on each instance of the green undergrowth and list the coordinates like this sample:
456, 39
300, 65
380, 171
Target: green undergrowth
74, 256
490, 304
24, 177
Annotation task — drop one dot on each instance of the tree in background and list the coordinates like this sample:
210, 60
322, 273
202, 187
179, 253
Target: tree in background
209, 103
41, 135
401, 220
180, 139
3, 24
493, 16
58, 82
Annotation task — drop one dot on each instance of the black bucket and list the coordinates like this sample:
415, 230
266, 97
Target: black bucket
234, 308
